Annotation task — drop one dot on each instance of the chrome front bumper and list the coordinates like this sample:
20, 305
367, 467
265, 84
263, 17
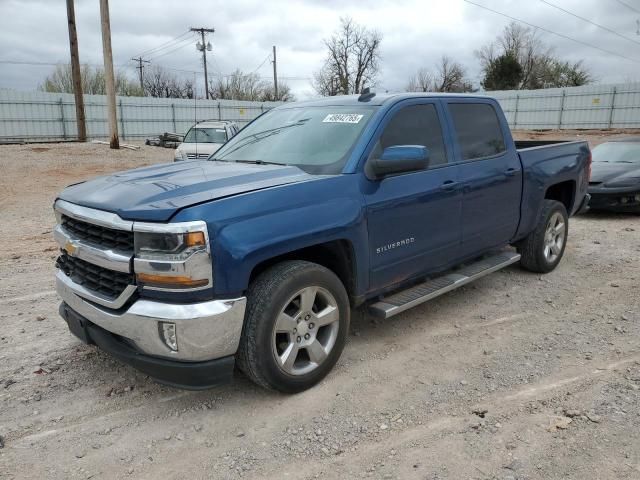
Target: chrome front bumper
205, 331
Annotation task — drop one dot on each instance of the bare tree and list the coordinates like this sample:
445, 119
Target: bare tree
237, 86
284, 93
422, 81
160, 83
248, 86
450, 76
540, 67
92, 78
565, 74
326, 83
352, 60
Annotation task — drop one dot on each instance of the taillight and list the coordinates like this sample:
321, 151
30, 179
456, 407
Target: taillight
589, 167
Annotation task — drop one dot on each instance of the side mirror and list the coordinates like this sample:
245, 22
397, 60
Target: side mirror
400, 159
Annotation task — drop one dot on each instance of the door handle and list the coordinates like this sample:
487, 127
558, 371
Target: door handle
448, 185
510, 172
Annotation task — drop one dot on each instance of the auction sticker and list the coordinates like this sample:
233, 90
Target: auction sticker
342, 118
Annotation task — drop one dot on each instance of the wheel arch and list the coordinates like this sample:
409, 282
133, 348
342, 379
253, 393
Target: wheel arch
337, 255
563, 192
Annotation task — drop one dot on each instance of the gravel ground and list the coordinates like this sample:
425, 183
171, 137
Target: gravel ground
517, 376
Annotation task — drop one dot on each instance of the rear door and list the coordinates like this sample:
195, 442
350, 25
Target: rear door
413, 218
490, 174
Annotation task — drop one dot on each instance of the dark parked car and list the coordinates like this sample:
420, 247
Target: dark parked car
615, 176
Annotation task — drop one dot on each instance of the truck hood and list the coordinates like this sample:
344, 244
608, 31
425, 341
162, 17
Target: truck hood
614, 174
156, 193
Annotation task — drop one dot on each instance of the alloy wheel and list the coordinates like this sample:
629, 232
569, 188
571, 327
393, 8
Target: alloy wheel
306, 330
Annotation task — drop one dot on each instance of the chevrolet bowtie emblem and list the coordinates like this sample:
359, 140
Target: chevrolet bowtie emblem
70, 248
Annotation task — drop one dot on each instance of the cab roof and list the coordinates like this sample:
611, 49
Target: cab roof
377, 99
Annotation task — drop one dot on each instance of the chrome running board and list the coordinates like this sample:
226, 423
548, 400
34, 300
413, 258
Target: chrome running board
423, 292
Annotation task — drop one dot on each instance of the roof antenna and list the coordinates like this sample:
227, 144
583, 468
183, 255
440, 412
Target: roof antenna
366, 95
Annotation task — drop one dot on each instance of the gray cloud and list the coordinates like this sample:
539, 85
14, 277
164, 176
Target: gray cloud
415, 34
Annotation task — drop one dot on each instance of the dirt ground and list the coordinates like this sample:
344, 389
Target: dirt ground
517, 376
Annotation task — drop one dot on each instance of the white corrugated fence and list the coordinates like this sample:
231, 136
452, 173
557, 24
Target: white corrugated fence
40, 116
591, 106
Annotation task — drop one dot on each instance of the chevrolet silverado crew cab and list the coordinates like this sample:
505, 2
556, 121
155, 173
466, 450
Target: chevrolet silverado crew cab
256, 256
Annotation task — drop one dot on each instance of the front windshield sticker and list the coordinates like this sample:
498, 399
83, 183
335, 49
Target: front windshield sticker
342, 118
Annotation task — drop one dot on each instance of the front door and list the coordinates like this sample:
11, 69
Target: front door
413, 218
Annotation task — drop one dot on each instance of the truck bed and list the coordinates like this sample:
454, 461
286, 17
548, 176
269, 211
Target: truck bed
551, 161
524, 144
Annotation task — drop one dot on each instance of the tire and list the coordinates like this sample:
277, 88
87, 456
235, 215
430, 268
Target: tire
543, 248
279, 323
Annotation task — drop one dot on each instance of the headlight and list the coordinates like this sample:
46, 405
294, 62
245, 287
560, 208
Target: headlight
168, 246
176, 259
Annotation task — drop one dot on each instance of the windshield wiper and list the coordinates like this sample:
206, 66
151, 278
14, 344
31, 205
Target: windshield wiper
256, 137
256, 162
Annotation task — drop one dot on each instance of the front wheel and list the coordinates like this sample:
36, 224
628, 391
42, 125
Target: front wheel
295, 327
543, 248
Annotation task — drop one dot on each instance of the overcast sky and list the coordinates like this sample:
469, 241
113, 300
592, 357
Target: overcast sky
415, 34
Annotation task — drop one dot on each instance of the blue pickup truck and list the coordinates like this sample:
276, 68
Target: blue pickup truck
256, 256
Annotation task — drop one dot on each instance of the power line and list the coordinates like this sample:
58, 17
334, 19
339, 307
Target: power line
162, 46
263, 62
552, 32
21, 62
628, 6
175, 48
592, 23
52, 64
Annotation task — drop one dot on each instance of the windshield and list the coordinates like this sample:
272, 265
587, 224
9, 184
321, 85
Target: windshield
617, 152
316, 139
205, 135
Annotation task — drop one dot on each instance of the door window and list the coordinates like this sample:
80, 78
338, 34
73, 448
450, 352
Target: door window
415, 125
478, 130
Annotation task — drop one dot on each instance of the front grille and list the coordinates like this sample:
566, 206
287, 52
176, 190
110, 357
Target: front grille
102, 236
101, 280
194, 156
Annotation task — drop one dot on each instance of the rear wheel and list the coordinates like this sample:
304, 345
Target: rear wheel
295, 327
542, 250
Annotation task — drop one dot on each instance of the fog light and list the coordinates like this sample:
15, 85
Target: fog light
623, 200
169, 335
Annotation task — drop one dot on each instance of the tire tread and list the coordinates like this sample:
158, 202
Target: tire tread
529, 248
259, 296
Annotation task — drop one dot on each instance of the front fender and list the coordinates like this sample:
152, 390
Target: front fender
241, 246
249, 229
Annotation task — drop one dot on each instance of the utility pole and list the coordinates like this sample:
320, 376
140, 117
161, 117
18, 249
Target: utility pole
140, 68
275, 75
114, 142
203, 48
75, 71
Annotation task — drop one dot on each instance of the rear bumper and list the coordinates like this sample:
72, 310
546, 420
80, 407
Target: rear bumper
584, 206
188, 375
